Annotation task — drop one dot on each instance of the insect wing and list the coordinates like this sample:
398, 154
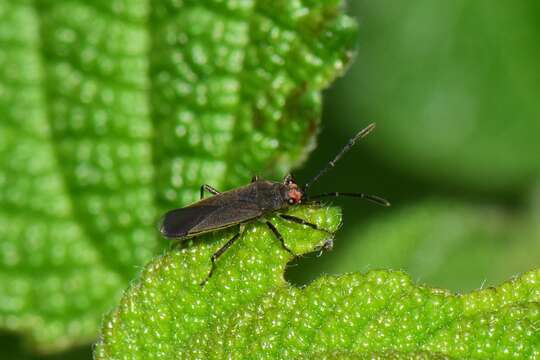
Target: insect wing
233, 213
178, 223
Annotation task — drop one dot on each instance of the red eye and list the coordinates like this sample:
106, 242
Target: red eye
294, 195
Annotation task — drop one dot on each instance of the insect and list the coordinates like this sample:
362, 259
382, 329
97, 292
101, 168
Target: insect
251, 202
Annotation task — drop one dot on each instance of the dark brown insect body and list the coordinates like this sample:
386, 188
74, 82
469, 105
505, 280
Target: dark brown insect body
230, 208
249, 203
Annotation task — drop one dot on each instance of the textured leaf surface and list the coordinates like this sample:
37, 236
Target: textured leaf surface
455, 88
247, 308
113, 111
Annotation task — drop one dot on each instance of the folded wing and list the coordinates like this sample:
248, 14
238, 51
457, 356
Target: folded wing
193, 220
178, 223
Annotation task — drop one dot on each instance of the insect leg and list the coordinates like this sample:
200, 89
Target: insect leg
220, 252
279, 237
208, 188
301, 221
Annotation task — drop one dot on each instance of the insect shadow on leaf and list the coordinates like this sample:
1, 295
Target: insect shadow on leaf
251, 202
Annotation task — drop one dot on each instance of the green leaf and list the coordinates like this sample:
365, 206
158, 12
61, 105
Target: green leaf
442, 243
247, 308
113, 111
454, 89
182, 308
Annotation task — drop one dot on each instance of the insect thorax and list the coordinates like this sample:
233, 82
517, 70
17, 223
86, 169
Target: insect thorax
270, 196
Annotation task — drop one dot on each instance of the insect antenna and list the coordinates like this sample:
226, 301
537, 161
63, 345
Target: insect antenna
373, 198
362, 133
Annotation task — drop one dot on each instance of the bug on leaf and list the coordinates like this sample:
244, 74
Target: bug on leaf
252, 202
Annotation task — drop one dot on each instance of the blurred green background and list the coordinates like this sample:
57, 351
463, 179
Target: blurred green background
454, 89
